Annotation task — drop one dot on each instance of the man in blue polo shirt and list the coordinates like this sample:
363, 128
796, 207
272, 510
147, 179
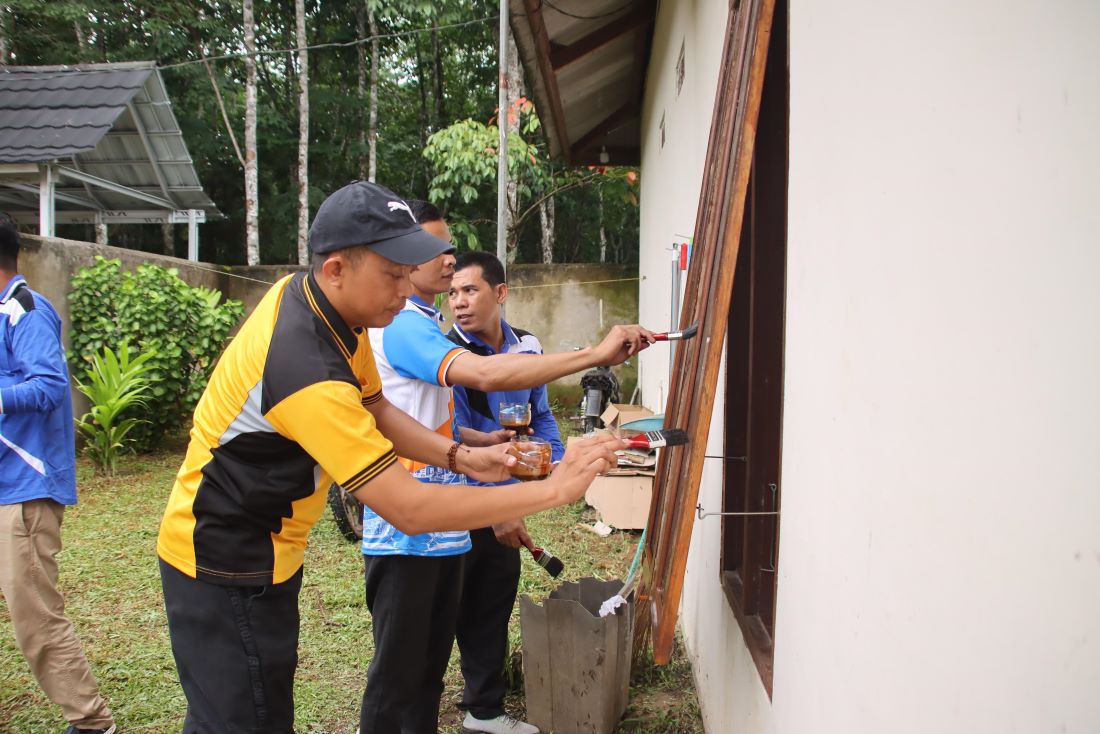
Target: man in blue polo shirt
37, 480
492, 567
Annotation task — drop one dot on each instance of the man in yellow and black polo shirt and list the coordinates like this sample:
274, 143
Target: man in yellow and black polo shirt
294, 404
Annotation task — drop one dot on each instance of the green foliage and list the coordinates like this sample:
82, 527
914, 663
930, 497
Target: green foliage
427, 80
114, 386
184, 328
464, 157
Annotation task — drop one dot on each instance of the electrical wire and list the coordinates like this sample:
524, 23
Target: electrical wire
576, 282
566, 13
344, 44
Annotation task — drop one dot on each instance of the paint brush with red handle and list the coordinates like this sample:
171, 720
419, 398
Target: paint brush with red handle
671, 336
658, 439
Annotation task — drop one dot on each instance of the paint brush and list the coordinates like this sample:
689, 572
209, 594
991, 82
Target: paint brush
553, 566
657, 439
671, 336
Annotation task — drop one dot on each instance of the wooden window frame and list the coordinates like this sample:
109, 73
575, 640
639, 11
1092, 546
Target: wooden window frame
710, 285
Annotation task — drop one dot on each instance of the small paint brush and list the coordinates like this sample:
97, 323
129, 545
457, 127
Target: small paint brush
671, 336
657, 439
553, 565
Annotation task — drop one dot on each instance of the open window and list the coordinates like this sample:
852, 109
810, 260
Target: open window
754, 374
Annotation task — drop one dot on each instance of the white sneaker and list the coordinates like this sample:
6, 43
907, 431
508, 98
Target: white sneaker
503, 724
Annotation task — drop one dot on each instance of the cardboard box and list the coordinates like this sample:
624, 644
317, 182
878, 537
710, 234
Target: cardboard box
622, 496
619, 413
622, 500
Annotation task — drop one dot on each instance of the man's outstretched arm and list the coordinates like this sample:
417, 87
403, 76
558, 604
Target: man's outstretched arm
501, 372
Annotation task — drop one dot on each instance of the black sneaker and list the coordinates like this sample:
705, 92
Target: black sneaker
73, 730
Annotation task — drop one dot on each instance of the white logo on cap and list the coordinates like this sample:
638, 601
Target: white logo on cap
395, 205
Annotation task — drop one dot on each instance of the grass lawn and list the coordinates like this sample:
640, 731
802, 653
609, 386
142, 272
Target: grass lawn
110, 580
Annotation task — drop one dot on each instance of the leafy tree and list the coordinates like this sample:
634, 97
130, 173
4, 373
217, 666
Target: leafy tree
432, 74
464, 157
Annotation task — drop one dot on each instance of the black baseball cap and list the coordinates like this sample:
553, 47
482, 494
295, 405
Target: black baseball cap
364, 213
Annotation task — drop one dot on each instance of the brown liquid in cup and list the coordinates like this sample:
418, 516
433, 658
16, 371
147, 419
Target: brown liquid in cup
534, 460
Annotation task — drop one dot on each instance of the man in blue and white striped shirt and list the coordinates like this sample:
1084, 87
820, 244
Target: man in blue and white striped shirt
413, 583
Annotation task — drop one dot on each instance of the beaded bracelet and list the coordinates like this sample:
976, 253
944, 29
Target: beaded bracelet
452, 455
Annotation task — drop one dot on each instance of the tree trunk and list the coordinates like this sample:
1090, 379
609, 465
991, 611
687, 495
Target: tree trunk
546, 220
168, 235
5, 46
425, 122
361, 86
372, 133
509, 117
437, 77
251, 165
603, 232
81, 40
303, 133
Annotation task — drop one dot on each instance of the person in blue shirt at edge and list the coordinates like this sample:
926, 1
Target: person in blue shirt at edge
492, 567
37, 480
413, 583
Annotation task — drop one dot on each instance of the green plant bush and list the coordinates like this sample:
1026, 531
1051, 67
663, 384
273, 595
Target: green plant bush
183, 327
114, 385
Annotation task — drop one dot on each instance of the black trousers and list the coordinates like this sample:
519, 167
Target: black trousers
236, 649
413, 602
490, 581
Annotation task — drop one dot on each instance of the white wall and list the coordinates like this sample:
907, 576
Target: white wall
940, 552
671, 176
940, 542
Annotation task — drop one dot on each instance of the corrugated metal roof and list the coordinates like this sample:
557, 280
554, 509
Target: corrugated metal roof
113, 121
51, 111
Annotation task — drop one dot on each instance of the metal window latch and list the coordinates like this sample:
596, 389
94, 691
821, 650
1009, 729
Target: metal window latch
727, 458
701, 513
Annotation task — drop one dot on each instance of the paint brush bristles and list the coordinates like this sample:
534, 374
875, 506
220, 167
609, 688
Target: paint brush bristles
553, 566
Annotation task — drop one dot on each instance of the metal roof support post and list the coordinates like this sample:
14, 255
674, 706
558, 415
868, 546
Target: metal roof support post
46, 184
192, 235
159, 174
100, 229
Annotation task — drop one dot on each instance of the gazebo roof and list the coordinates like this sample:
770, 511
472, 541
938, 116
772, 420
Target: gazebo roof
109, 131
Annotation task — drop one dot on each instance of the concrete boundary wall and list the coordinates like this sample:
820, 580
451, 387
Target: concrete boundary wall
566, 306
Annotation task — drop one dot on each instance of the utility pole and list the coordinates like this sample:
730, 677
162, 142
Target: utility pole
502, 145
